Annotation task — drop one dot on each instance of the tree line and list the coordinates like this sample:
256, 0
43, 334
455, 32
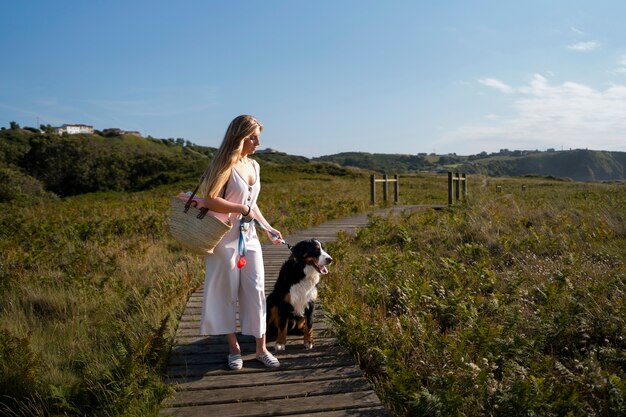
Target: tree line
36, 163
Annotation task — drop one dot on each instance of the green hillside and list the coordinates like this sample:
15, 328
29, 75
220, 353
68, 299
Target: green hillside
579, 165
380, 162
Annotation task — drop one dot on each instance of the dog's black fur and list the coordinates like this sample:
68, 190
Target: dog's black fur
292, 302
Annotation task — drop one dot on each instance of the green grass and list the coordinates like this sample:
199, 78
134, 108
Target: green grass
509, 304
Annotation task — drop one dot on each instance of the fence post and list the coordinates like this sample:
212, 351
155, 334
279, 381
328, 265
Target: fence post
385, 188
464, 188
396, 188
372, 190
459, 190
449, 188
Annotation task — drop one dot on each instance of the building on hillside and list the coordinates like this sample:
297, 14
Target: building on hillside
114, 131
74, 129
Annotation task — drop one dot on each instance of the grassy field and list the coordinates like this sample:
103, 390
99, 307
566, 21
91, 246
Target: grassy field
91, 288
510, 304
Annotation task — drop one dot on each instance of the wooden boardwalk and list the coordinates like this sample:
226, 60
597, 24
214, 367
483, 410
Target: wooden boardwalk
321, 382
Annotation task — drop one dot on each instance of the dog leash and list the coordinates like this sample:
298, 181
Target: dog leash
242, 242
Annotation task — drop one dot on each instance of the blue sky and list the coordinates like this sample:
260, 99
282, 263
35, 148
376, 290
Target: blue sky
325, 77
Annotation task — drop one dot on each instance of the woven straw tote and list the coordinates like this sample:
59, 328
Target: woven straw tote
193, 228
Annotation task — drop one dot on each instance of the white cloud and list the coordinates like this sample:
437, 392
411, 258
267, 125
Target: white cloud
497, 84
577, 31
583, 46
569, 115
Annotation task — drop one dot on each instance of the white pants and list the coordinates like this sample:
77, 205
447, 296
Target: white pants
225, 285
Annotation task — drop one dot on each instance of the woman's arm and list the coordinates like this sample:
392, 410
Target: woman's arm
221, 205
256, 213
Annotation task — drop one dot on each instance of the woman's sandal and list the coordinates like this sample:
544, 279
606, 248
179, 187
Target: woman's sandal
268, 360
235, 362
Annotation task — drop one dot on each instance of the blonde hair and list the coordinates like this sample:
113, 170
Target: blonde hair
218, 171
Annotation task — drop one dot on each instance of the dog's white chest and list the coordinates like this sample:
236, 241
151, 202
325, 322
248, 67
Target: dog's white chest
304, 291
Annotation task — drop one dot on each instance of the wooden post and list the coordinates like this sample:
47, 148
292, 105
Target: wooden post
464, 186
523, 187
386, 180
385, 187
457, 185
498, 188
396, 189
449, 188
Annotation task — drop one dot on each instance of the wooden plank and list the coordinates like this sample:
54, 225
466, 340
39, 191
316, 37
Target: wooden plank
352, 412
269, 392
279, 407
281, 376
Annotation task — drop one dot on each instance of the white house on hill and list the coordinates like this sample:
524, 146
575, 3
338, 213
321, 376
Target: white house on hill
74, 129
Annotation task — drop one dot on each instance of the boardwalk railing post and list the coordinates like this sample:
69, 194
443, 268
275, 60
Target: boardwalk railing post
464, 187
385, 180
385, 188
449, 188
460, 190
395, 189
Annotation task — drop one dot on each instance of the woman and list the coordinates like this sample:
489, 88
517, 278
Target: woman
231, 188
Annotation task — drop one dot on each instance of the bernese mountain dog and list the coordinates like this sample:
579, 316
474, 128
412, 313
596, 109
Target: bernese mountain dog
291, 303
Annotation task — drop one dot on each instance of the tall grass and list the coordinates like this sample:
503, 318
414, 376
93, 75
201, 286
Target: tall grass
90, 295
91, 288
513, 303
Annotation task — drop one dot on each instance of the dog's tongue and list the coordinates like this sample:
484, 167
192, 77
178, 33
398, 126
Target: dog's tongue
322, 269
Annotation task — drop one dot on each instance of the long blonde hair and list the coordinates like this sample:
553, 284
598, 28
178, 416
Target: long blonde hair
219, 169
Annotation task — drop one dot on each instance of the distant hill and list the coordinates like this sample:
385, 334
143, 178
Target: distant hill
579, 165
32, 161
380, 162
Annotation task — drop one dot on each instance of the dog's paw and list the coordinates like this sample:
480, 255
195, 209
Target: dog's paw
280, 346
308, 345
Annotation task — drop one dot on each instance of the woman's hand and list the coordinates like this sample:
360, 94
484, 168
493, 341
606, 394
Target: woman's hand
247, 213
275, 236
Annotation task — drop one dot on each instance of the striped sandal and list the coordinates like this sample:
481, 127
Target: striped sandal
235, 362
268, 360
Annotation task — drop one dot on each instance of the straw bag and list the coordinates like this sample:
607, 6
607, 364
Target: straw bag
193, 228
